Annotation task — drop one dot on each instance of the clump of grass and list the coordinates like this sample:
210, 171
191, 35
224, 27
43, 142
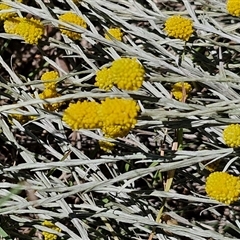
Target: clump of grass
147, 182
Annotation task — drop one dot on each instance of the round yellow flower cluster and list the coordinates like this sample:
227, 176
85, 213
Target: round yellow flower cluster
125, 73
10, 25
116, 117
4, 16
223, 187
71, 17
231, 135
114, 33
29, 28
82, 115
180, 90
49, 79
179, 27
233, 7
128, 73
50, 91
104, 79
47, 235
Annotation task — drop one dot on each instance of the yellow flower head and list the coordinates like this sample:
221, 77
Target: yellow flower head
223, 187
10, 25
180, 90
179, 27
233, 7
231, 135
50, 93
119, 116
106, 146
47, 235
82, 115
104, 79
125, 73
115, 33
128, 73
29, 28
75, 19
6, 15
49, 79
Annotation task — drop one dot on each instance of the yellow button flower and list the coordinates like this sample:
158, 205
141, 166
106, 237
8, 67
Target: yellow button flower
82, 115
104, 79
71, 17
29, 28
179, 27
10, 25
50, 93
47, 235
119, 116
180, 90
233, 7
125, 73
49, 79
223, 187
115, 33
231, 135
6, 15
128, 73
